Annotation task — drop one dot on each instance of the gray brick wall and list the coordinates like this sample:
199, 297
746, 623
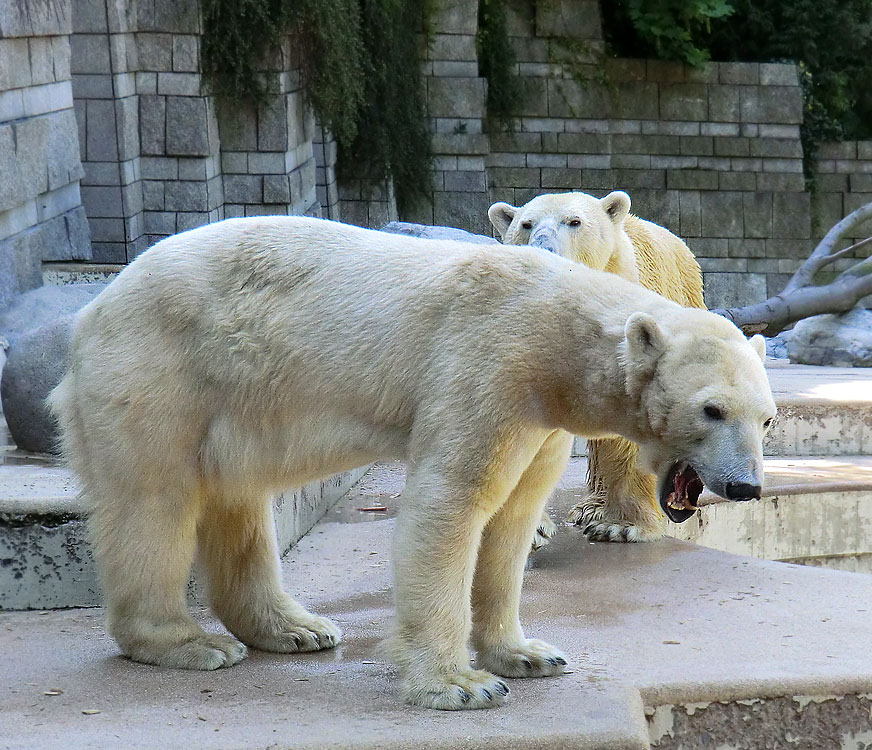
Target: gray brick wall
41, 214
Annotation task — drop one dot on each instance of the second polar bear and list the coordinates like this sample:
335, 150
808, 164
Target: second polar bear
237, 359
602, 234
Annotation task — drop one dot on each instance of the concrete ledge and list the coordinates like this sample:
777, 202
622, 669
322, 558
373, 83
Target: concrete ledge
45, 558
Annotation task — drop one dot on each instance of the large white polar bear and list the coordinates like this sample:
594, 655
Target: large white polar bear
251, 355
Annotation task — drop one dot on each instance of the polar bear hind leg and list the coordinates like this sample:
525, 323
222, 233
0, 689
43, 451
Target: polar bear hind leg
239, 554
145, 573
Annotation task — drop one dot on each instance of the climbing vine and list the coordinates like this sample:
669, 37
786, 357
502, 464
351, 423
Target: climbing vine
359, 63
496, 62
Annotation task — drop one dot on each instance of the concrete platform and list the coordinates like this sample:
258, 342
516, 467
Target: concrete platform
671, 646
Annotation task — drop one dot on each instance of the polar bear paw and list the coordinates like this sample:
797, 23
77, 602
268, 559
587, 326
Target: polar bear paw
532, 658
544, 531
463, 690
589, 516
619, 532
205, 652
294, 636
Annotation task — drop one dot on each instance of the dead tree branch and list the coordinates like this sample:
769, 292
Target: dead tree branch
801, 297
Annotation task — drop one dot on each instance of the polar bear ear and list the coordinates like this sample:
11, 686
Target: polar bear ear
501, 215
759, 344
616, 205
646, 340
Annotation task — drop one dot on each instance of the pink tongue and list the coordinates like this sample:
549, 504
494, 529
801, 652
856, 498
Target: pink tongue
681, 483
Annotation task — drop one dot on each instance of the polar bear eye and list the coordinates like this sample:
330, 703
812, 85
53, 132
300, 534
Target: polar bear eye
713, 412
527, 224
574, 222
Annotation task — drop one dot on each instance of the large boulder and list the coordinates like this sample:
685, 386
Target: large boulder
37, 330
437, 233
35, 364
840, 340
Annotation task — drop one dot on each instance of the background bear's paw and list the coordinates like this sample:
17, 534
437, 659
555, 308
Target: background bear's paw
206, 652
620, 531
544, 531
532, 658
291, 636
463, 690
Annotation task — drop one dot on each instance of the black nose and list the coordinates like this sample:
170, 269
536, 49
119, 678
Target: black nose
742, 491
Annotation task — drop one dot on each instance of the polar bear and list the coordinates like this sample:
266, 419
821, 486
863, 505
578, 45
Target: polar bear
236, 359
602, 234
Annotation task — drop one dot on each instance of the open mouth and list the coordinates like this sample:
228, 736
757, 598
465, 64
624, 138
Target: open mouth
680, 492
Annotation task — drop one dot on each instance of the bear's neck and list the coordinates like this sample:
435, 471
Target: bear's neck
592, 395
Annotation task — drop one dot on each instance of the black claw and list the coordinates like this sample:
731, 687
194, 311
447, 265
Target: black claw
464, 696
527, 665
561, 661
487, 694
588, 528
502, 688
317, 639
552, 661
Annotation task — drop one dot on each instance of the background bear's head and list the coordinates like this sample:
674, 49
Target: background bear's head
576, 226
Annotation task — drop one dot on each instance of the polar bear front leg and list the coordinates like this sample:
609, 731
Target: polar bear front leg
496, 594
240, 556
437, 536
621, 505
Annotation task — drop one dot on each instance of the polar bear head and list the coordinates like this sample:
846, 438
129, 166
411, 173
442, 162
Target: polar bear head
705, 394
576, 226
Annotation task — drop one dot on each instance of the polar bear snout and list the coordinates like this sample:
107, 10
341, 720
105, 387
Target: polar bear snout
545, 236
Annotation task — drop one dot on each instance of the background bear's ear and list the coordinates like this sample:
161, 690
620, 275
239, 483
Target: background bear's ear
616, 205
501, 215
759, 344
646, 340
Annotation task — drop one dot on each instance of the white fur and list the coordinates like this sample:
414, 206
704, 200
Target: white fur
237, 359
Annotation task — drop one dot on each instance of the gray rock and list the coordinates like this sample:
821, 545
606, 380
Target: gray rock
38, 328
437, 233
838, 340
776, 347
35, 365
43, 305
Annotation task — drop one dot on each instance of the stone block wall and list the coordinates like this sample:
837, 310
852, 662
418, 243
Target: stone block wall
843, 184
713, 154
163, 156
41, 214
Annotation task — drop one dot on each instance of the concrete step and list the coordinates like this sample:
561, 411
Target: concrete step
671, 645
45, 559
58, 273
814, 511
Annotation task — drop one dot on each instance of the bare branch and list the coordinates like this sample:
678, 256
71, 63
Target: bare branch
804, 276
776, 313
842, 253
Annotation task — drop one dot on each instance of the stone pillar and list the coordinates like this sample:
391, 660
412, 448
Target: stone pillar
104, 86
325, 149
456, 99
266, 152
181, 165
41, 214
